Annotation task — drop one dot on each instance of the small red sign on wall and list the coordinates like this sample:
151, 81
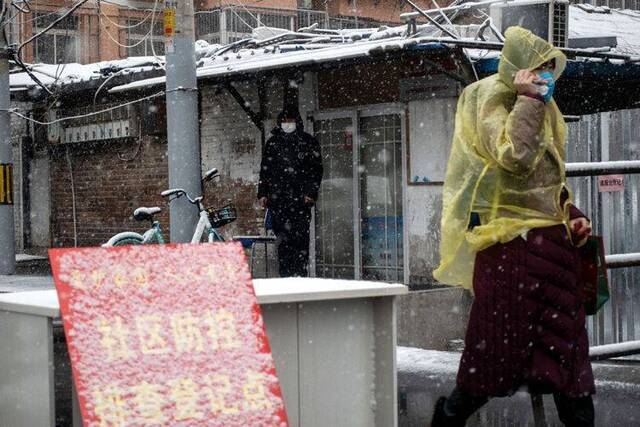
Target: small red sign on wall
166, 335
610, 183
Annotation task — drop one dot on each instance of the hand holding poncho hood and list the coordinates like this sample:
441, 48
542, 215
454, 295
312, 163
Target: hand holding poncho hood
512, 182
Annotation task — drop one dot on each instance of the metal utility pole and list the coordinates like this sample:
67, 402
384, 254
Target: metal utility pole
7, 233
182, 115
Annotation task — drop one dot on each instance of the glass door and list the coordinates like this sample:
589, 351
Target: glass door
334, 225
358, 217
380, 146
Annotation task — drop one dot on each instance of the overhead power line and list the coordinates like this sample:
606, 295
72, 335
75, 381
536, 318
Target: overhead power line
123, 27
62, 119
126, 46
35, 18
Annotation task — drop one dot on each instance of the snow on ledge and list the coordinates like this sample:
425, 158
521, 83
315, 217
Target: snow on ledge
268, 291
298, 289
432, 363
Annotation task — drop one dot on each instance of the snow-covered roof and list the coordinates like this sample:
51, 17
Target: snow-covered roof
583, 22
285, 49
265, 60
624, 24
63, 74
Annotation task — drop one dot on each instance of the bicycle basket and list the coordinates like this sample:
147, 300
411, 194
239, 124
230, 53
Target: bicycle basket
222, 216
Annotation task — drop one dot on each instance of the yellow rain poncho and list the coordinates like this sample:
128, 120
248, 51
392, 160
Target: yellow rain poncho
513, 183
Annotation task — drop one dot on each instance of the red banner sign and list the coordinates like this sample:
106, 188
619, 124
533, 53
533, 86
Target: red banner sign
166, 335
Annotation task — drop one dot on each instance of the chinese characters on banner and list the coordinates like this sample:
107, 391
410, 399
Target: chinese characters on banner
166, 335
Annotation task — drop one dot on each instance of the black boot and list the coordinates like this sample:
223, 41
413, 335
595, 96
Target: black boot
441, 419
454, 410
575, 412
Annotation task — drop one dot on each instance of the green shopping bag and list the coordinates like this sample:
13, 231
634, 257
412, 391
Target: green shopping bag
595, 281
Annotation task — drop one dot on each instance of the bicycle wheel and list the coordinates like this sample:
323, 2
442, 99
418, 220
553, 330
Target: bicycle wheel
124, 239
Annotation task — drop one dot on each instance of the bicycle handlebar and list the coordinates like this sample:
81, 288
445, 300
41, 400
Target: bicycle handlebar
210, 174
179, 192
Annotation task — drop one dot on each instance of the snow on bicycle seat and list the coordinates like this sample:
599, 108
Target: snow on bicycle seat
145, 214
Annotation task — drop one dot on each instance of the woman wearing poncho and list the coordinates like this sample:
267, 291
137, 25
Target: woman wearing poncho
510, 234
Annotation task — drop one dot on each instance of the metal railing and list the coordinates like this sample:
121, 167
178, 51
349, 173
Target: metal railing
306, 18
608, 168
231, 23
608, 351
582, 169
614, 4
228, 24
602, 168
623, 260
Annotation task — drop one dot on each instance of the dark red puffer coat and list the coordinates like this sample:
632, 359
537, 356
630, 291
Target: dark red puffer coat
527, 323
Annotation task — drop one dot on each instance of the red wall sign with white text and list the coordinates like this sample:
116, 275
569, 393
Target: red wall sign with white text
166, 335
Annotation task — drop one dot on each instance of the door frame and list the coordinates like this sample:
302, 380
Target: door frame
355, 113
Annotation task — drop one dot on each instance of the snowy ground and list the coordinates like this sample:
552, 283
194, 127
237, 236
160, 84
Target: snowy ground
425, 375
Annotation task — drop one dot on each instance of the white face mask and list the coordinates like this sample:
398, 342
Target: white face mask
288, 127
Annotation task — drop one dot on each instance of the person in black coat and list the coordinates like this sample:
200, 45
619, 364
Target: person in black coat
290, 176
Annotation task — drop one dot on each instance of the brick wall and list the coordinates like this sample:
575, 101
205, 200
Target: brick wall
379, 10
232, 143
107, 189
276, 4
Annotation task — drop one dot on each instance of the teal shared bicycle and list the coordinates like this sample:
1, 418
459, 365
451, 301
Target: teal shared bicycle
210, 219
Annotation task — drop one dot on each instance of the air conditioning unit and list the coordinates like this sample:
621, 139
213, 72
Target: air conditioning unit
548, 19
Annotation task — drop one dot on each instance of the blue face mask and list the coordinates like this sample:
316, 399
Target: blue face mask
546, 90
